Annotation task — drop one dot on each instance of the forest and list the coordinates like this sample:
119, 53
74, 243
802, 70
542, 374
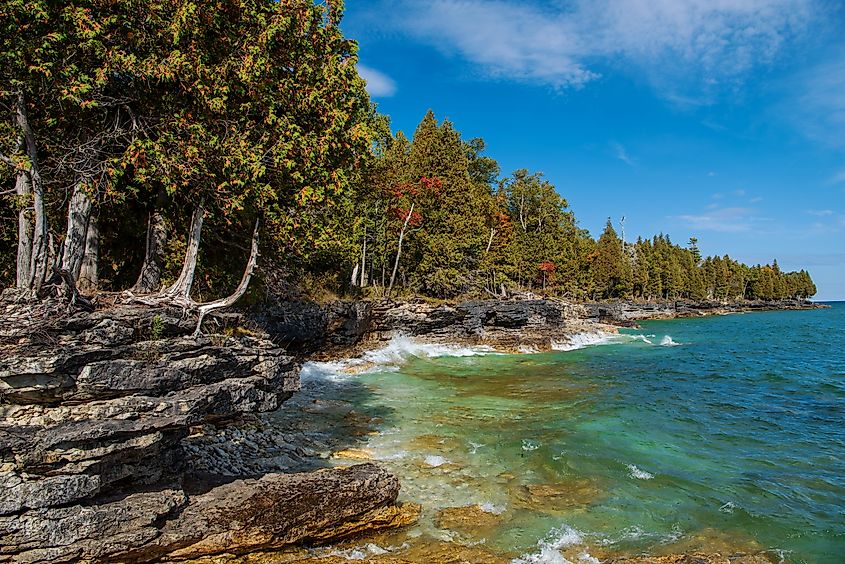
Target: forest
201, 152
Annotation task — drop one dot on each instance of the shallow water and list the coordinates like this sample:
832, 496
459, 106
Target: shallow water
718, 433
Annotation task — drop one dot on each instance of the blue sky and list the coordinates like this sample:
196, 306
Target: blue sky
720, 119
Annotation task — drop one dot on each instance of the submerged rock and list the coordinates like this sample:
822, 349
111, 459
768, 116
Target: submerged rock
471, 519
555, 497
354, 454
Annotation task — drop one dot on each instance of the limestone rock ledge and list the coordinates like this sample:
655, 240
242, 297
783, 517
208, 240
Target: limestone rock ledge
337, 329
93, 412
271, 512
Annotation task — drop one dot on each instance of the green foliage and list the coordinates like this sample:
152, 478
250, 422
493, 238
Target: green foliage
253, 107
256, 109
156, 328
483, 233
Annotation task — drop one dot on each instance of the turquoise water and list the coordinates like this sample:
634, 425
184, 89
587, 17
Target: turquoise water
717, 433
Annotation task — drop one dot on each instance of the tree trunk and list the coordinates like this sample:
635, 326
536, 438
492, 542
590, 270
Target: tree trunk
399, 249
78, 216
88, 274
364, 261
24, 190
149, 280
354, 280
180, 290
38, 255
490, 240
205, 308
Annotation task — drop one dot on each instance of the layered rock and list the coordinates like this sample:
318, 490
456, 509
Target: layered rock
526, 324
94, 412
626, 313
522, 323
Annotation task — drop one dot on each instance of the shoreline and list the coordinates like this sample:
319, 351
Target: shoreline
126, 361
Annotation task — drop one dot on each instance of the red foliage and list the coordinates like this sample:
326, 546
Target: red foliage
433, 185
402, 214
548, 267
404, 193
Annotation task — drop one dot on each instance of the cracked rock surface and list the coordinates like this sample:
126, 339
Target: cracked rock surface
94, 412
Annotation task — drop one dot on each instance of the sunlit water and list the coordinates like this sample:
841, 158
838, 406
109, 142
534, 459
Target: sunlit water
718, 433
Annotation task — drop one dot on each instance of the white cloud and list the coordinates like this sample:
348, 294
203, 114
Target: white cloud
724, 220
379, 85
820, 213
710, 43
622, 154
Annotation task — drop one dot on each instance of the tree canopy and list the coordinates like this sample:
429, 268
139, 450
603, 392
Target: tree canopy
152, 145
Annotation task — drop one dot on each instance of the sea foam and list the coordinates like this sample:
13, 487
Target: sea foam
386, 359
434, 460
549, 548
638, 474
581, 340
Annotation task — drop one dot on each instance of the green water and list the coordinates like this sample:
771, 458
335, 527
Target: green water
728, 435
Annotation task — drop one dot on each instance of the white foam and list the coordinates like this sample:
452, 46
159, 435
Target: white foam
549, 547
385, 359
581, 340
434, 460
638, 474
400, 349
490, 507
729, 507
359, 552
644, 338
529, 445
667, 341
474, 447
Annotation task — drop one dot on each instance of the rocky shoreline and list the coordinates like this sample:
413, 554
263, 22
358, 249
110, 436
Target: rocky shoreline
529, 324
96, 412
124, 439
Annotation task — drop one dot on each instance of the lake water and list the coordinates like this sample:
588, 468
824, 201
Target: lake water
713, 434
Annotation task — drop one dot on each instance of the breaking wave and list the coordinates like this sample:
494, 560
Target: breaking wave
549, 548
581, 340
388, 358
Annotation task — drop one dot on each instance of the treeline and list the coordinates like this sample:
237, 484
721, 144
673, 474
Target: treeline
432, 217
161, 148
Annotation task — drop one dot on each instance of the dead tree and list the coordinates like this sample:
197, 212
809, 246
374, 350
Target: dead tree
399, 249
206, 308
180, 291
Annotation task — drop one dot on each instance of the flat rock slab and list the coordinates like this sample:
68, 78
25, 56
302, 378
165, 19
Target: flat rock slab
272, 512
